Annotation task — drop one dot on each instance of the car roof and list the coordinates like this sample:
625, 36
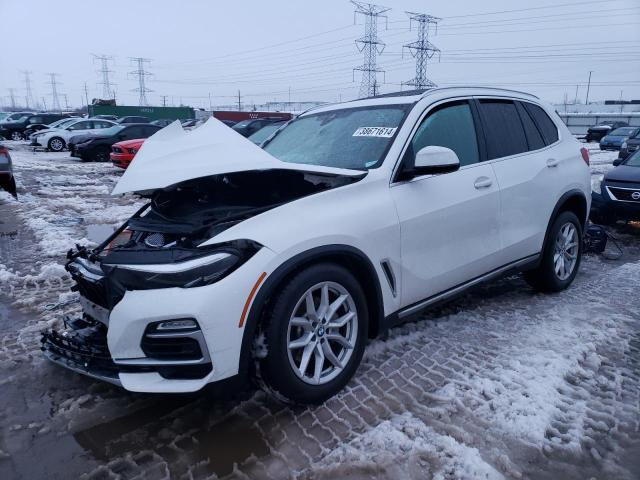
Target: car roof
413, 96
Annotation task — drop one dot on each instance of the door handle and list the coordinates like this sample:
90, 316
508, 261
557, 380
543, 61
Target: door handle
482, 182
552, 162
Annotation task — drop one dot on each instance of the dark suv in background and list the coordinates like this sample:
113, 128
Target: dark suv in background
251, 126
595, 133
98, 146
15, 130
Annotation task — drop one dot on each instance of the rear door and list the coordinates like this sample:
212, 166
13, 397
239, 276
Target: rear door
521, 144
449, 222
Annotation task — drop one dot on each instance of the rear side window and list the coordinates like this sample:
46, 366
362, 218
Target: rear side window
534, 137
502, 128
545, 124
450, 125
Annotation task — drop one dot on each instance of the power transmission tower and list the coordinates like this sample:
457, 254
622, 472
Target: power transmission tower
66, 101
370, 45
239, 102
107, 90
164, 100
12, 98
141, 74
31, 103
422, 49
55, 101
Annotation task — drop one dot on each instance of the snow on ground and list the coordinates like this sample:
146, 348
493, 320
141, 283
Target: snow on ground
502, 382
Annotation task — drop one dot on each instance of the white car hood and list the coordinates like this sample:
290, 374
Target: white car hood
173, 155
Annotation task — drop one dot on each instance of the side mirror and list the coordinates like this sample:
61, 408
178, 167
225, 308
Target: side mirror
434, 159
617, 162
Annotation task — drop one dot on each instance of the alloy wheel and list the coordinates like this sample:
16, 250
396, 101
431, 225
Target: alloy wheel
565, 255
16, 136
322, 333
56, 144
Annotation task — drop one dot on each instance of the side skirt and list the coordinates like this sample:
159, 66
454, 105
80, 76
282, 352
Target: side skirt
401, 315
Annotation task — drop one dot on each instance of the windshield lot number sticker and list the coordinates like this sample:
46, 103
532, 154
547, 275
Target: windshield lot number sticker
385, 132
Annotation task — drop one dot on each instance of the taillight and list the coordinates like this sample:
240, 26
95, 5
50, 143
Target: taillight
585, 155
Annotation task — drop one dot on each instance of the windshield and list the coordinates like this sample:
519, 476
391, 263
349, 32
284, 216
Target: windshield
355, 138
633, 160
242, 124
622, 132
264, 133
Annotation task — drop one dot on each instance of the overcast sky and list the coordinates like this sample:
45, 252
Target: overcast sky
304, 50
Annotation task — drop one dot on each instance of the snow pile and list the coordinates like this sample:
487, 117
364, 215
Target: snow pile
404, 447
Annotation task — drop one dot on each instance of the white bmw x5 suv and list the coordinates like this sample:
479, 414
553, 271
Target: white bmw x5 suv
284, 260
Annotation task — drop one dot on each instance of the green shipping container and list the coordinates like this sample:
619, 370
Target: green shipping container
152, 113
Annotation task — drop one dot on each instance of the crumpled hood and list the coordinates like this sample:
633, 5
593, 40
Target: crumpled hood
173, 155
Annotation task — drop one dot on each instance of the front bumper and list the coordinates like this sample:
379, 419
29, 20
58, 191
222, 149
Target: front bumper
217, 308
121, 160
604, 207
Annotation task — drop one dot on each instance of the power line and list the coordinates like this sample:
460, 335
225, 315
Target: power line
107, 90
141, 74
422, 49
370, 45
30, 102
55, 101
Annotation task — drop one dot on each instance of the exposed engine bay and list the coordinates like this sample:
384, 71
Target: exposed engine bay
160, 247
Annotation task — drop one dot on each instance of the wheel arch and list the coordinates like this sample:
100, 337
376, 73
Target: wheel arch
345, 255
571, 201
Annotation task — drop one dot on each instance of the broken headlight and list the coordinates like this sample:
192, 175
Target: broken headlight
191, 273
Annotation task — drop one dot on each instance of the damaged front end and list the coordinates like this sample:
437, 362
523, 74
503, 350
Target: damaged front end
167, 244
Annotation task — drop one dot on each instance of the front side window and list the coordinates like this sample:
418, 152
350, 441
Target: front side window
34, 120
633, 160
355, 138
503, 130
450, 125
80, 126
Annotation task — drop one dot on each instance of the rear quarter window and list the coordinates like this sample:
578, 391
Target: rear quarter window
543, 121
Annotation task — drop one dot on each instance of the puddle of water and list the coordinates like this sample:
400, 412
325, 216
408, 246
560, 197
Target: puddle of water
99, 232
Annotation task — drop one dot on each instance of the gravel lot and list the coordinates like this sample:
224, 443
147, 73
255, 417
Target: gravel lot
501, 383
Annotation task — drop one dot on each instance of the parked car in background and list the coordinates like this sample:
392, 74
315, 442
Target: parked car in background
113, 118
228, 123
7, 180
265, 132
38, 127
162, 122
614, 139
14, 116
595, 133
98, 146
133, 119
14, 130
616, 194
630, 145
122, 153
249, 127
55, 139
349, 220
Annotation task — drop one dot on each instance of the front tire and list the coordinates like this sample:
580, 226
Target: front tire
56, 144
315, 335
16, 136
102, 154
561, 255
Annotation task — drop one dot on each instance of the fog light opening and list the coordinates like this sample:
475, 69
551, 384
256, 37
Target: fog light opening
180, 324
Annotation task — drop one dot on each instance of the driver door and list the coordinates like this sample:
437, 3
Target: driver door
449, 223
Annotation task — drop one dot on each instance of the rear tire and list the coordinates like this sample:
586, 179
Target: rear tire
315, 335
16, 136
561, 255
